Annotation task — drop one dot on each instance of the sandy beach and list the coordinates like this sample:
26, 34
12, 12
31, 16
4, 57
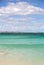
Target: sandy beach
20, 62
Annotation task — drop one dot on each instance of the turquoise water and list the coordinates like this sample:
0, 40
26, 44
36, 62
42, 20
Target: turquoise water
21, 39
26, 49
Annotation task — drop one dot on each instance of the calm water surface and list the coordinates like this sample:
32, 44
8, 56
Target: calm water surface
25, 49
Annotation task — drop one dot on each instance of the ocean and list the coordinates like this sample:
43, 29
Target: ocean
21, 49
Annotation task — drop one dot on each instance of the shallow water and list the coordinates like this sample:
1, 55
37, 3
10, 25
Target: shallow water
21, 50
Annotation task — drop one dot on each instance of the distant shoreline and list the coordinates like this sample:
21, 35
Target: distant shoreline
21, 33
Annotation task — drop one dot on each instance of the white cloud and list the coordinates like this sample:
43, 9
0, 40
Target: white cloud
16, 24
20, 8
9, 22
12, 24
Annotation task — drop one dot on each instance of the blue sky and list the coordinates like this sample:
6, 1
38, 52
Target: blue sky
22, 15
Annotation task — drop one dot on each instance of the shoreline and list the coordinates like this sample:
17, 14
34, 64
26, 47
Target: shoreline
21, 33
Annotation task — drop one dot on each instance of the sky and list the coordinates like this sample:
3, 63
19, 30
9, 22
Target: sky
21, 15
